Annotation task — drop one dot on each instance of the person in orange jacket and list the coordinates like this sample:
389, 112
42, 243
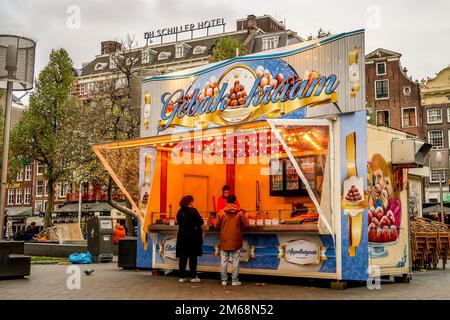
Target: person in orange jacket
119, 233
222, 200
231, 220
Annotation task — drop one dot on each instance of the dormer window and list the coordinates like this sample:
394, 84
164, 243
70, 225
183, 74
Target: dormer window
270, 42
146, 55
199, 50
100, 66
112, 63
164, 55
181, 50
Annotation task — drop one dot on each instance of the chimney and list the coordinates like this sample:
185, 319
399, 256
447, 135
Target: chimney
108, 47
252, 25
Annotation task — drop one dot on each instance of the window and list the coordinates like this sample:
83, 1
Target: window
62, 190
27, 196
381, 89
39, 187
40, 169
383, 118
179, 51
145, 56
436, 139
270, 42
435, 175
433, 200
44, 205
448, 98
448, 114
381, 68
19, 196
406, 91
10, 197
164, 55
100, 66
409, 117
112, 62
46, 188
38, 206
434, 116
199, 50
20, 175
28, 171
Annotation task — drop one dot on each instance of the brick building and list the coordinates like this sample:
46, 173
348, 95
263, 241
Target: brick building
435, 95
393, 95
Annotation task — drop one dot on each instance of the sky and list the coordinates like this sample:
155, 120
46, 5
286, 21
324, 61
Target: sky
419, 30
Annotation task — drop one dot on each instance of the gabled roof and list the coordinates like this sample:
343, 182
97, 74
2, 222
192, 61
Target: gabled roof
381, 53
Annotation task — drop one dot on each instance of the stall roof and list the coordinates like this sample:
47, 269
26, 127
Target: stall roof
19, 212
91, 207
435, 208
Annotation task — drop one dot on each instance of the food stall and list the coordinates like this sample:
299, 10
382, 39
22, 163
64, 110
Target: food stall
286, 129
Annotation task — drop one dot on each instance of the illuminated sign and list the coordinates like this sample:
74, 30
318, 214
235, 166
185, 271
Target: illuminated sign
185, 28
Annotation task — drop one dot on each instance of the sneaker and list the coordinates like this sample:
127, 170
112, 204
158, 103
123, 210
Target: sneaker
224, 283
182, 280
196, 279
236, 283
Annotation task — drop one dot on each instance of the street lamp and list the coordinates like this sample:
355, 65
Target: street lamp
16, 73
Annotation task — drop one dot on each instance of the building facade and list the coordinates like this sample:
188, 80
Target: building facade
435, 94
392, 95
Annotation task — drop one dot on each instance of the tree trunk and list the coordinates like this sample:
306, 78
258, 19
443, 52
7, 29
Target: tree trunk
111, 202
50, 203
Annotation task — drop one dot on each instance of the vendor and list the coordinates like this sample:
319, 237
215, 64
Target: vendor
222, 200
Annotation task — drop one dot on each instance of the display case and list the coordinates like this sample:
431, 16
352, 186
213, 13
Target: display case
284, 180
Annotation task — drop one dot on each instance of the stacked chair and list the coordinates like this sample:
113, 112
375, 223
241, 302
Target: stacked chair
429, 243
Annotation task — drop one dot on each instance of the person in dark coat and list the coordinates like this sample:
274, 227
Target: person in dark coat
189, 238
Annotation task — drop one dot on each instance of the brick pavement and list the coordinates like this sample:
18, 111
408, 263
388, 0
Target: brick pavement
109, 282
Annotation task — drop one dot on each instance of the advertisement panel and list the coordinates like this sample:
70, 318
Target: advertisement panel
311, 79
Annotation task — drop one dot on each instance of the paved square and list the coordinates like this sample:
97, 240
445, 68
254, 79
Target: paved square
110, 282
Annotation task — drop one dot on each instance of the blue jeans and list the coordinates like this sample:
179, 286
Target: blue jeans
233, 257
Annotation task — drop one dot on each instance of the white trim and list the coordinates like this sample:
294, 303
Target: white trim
268, 40
25, 196
384, 98
448, 114
29, 166
415, 116
10, 193
439, 176
428, 136
164, 55
19, 194
428, 116
407, 87
199, 50
385, 68
37, 188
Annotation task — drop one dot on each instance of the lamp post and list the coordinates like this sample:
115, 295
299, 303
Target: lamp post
16, 73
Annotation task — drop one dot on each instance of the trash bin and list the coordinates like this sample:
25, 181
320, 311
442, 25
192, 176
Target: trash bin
127, 253
100, 233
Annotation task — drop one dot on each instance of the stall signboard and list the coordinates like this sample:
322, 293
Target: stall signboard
311, 79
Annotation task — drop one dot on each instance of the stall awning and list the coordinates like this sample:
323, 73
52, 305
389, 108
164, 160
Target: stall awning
435, 209
19, 212
85, 207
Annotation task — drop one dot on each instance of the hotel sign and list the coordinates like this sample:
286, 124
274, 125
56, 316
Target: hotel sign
185, 28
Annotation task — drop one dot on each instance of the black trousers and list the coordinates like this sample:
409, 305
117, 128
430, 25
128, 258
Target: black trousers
192, 266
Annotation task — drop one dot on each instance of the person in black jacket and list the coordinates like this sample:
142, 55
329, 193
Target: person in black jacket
189, 238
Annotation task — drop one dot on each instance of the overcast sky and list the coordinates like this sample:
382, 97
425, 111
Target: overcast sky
417, 29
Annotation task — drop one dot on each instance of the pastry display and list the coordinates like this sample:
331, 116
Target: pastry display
381, 225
